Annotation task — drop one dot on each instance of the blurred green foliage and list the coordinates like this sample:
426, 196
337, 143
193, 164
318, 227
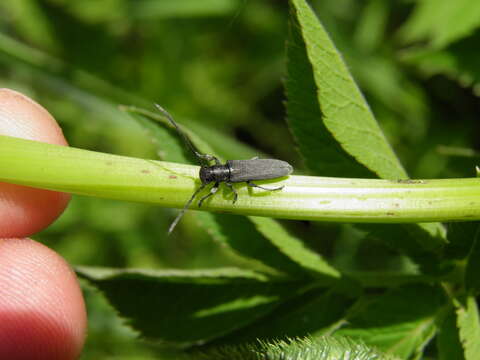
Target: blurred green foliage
219, 64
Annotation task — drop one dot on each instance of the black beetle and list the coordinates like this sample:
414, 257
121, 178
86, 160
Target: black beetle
233, 171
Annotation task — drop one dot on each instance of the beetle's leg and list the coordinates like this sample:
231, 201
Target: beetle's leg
235, 194
252, 184
213, 190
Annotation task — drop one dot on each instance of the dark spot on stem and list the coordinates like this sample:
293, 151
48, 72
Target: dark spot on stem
410, 181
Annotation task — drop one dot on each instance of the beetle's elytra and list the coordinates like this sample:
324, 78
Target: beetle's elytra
233, 171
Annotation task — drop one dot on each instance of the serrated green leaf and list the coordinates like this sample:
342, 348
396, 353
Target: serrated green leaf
324, 348
171, 148
317, 313
448, 341
186, 307
461, 236
249, 243
407, 238
420, 245
472, 271
401, 322
327, 348
328, 115
224, 145
169, 142
320, 151
442, 21
339, 106
294, 248
468, 322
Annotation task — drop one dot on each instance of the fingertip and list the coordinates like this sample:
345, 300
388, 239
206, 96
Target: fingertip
42, 313
22, 117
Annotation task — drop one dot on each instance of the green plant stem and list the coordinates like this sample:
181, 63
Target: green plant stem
91, 173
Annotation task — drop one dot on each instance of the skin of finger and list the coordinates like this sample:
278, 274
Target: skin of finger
42, 313
24, 210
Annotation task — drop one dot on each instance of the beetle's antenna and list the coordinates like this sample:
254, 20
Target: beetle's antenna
200, 156
185, 208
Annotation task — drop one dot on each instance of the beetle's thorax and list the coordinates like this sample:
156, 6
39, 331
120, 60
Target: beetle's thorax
214, 173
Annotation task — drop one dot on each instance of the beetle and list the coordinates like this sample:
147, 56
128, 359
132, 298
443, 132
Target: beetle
233, 171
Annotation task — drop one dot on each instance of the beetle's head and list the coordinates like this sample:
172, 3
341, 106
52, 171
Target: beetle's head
206, 175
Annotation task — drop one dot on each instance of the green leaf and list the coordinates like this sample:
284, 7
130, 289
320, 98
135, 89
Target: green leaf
408, 238
185, 307
461, 236
294, 248
327, 113
468, 322
222, 144
400, 322
172, 148
318, 312
324, 348
169, 142
249, 243
442, 21
458, 61
415, 241
448, 341
472, 271
320, 151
